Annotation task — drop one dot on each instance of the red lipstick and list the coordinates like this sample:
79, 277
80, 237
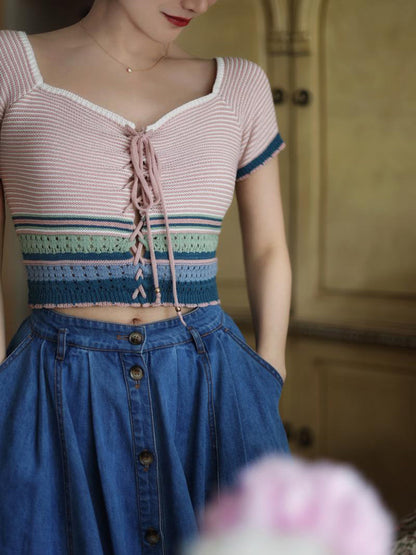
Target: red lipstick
179, 21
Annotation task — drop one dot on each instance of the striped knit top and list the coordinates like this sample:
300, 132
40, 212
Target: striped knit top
110, 214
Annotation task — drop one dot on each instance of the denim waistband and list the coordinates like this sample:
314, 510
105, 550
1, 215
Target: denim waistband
98, 334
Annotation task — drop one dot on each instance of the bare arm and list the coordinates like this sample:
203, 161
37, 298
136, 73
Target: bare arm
266, 258
3, 345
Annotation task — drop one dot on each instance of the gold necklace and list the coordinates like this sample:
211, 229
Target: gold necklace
128, 68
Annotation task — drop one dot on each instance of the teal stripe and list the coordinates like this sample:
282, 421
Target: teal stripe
200, 216
72, 217
71, 226
262, 157
193, 226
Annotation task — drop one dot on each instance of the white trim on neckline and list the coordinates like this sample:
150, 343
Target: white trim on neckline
109, 113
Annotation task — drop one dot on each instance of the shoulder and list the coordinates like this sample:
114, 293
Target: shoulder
246, 83
244, 72
11, 55
12, 42
9, 41
13, 51
16, 75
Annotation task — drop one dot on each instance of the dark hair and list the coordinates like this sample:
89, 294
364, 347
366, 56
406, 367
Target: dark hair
86, 9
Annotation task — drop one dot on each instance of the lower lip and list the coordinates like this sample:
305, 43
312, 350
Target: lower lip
178, 22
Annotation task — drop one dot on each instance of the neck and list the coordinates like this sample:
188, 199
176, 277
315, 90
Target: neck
113, 27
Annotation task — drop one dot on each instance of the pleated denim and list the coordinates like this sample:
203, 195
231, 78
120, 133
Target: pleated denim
113, 437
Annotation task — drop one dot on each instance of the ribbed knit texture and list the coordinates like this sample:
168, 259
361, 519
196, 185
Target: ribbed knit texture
66, 169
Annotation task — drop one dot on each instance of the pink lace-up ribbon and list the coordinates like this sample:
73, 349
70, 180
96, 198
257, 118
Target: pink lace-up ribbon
146, 192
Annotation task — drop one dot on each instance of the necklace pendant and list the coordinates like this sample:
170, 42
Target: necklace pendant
129, 70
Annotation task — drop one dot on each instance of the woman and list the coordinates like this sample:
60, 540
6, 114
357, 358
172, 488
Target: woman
128, 396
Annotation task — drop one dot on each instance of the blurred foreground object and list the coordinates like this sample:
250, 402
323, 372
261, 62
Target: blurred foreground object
293, 506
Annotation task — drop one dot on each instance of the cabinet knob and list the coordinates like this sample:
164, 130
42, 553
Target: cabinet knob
305, 437
301, 97
278, 95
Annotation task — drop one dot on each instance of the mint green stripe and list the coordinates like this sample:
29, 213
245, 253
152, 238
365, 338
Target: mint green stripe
53, 244
187, 242
50, 244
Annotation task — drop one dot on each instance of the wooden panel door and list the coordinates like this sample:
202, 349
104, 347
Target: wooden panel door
353, 124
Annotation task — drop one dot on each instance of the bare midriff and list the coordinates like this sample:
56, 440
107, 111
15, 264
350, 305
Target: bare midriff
135, 316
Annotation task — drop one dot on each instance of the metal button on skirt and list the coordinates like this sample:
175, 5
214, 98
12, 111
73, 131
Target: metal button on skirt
113, 437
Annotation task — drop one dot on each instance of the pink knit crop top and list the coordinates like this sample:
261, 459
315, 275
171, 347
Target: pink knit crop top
110, 214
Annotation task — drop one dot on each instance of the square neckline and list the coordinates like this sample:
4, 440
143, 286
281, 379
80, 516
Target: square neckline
110, 114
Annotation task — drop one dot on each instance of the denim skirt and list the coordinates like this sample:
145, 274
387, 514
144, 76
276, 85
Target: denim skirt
113, 437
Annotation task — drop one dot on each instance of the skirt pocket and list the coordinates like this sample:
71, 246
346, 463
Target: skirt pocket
231, 328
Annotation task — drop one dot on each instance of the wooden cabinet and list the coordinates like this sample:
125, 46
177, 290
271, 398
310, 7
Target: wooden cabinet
353, 169
354, 403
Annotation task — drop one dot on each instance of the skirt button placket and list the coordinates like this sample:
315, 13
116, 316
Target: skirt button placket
143, 434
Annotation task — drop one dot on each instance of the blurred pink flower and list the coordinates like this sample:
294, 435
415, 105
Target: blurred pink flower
328, 500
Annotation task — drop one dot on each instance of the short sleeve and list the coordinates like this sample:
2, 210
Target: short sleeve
5, 70
16, 78
3, 96
261, 139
